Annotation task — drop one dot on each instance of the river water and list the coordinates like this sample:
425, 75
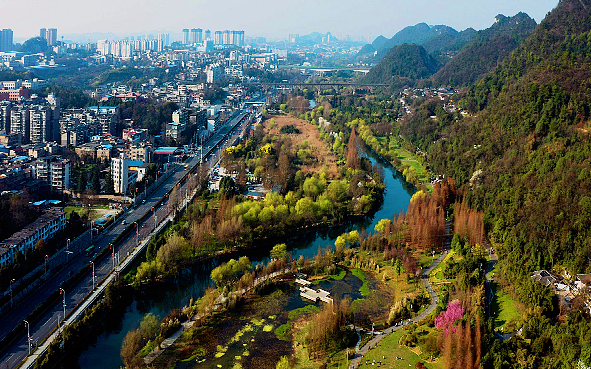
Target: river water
103, 349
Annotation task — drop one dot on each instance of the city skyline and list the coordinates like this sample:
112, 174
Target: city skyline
268, 19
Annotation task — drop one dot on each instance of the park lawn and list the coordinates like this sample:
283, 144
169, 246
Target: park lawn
426, 260
506, 308
389, 348
79, 210
398, 283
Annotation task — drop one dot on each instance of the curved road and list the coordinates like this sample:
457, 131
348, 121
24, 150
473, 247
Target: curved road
434, 300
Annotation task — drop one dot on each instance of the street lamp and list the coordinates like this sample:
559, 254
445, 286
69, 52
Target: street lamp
63, 293
91, 230
68, 249
154, 215
92, 265
11, 287
28, 335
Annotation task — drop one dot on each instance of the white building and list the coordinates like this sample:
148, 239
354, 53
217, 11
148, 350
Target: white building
124, 173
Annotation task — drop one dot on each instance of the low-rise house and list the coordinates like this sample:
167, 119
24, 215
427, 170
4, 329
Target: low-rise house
45, 227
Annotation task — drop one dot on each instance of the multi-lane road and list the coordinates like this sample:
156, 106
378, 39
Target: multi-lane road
17, 350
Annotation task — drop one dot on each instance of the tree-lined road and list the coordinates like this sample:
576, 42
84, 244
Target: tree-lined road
17, 350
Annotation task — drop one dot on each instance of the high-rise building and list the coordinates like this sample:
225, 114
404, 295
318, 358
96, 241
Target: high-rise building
19, 121
40, 124
6, 39
43, 33
51, 36
185, 36
60, 174
193, 38
241, 38
165, 38
227, 38
207, 34
199, 38
5, 116
217, 39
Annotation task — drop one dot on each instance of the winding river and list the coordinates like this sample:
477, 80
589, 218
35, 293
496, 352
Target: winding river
102, 350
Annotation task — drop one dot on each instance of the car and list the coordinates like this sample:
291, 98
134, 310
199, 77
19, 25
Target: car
143, 201
124, 222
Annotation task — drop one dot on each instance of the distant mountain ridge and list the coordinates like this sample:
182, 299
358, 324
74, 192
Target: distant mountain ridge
485, 49
435, 39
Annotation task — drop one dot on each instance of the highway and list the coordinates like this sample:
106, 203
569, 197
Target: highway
17, 350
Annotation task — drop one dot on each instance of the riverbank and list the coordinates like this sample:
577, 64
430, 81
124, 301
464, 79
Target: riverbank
178, 291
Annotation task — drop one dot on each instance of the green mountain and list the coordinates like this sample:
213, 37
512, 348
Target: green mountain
523, 157
407, 61
485, 50
529, 135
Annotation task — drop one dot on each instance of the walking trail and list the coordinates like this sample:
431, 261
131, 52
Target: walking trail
434, 300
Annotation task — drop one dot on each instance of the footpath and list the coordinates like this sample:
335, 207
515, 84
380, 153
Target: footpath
360, 353
220, 301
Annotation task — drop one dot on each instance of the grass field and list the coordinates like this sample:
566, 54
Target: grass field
94, 213
505, 307
397, 283
388, 350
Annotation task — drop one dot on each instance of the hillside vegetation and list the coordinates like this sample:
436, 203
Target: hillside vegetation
485, 50
408, 61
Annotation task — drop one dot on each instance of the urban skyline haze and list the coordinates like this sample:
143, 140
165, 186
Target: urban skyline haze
266, 18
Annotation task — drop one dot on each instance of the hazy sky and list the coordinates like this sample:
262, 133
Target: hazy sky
273, 19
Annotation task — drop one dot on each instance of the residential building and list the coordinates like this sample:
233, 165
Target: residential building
14, 95
218, 38
5, 116
45, 227
185, 36
181, 116
227, 38
175, 130
40, 124
124, 173
19, 121
207, 34
213, 73
6, 42
51, 37
60, 174
141, 151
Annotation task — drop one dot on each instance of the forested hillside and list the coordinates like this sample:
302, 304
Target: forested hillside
485, 50
409, 61
530, 137
523, 157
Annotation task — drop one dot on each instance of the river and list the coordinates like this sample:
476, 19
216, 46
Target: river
103, 348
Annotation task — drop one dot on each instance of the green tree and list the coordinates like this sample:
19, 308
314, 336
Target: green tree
279, 251
283, 363
81, 187
95, 181
382, 224
109, 184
